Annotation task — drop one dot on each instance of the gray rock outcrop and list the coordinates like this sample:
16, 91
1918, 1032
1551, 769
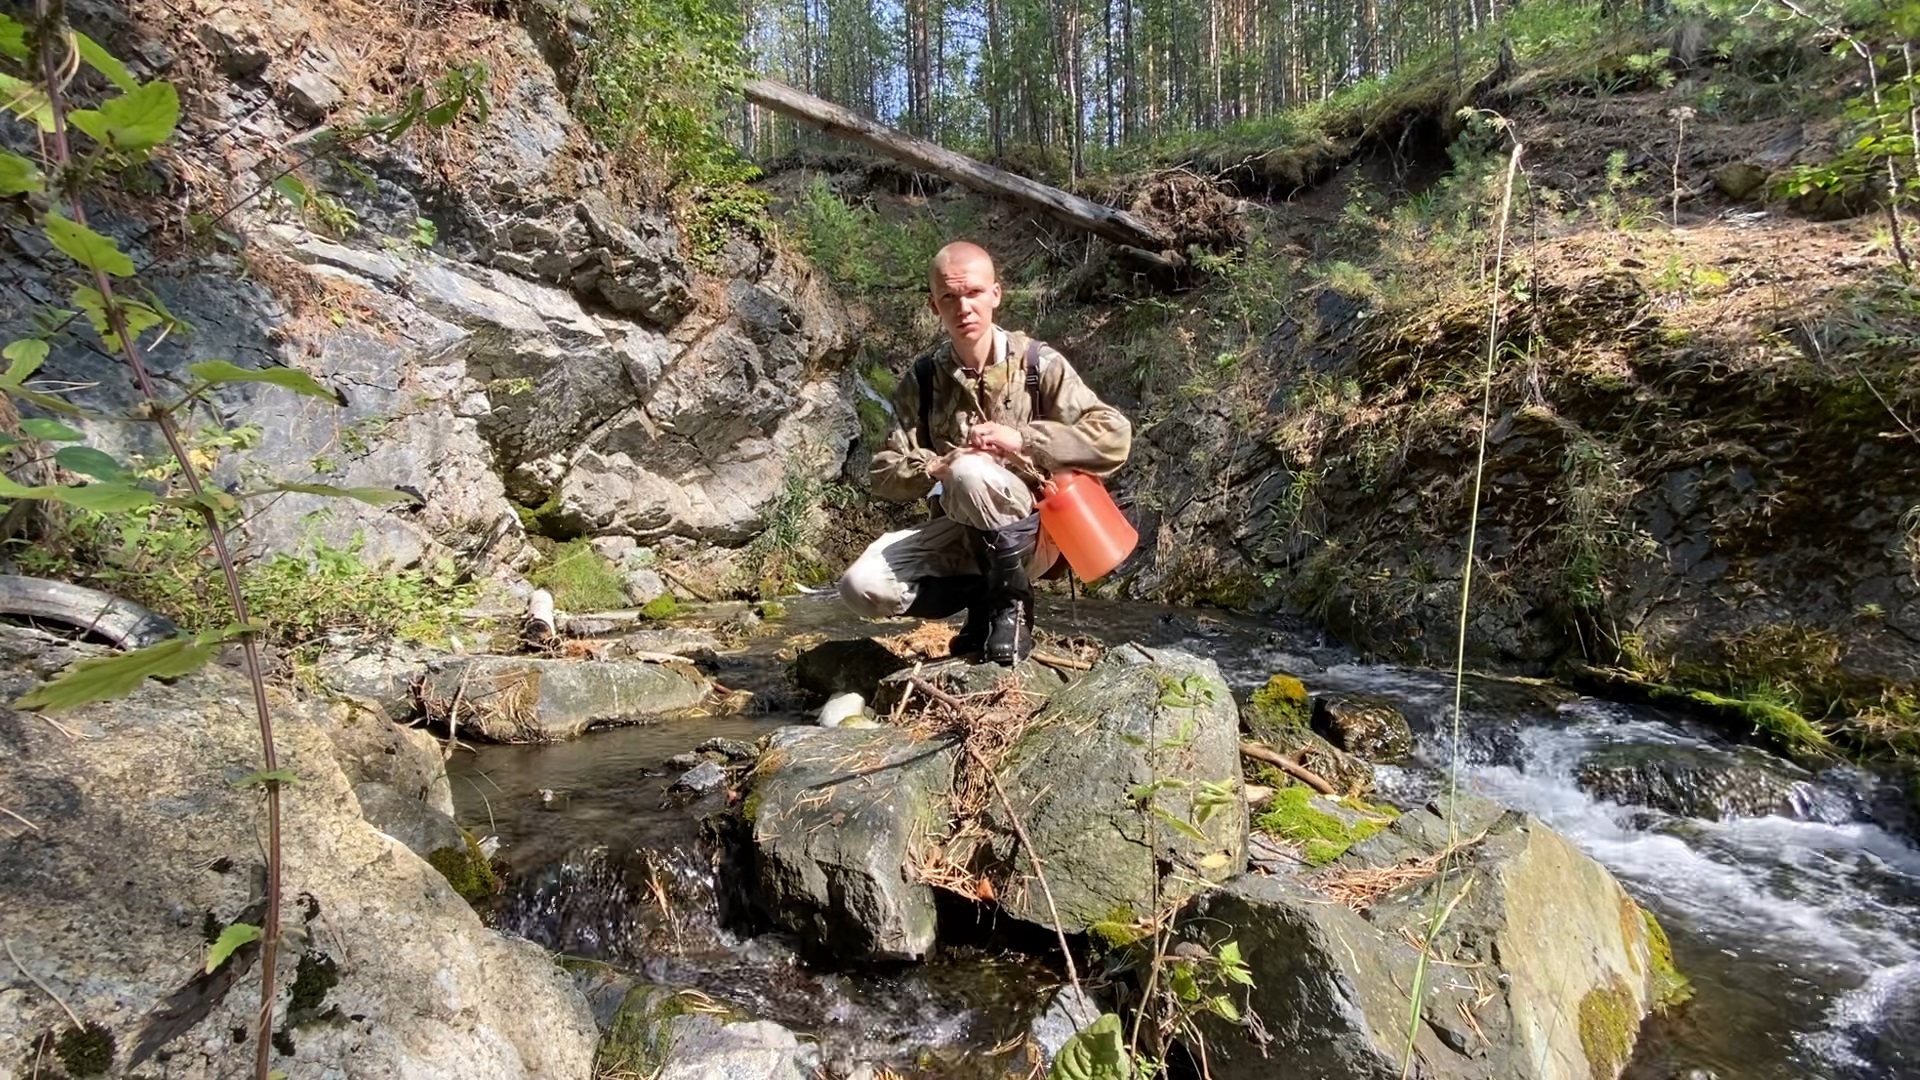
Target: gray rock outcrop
142, 842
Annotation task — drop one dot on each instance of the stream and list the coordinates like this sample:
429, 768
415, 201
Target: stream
1798, 932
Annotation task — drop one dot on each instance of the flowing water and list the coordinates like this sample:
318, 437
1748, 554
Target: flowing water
1800, 933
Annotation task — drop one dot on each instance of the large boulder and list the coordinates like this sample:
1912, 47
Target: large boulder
1368, 727
513, 699
142, 844
1542, 969
836, 816
1128, 785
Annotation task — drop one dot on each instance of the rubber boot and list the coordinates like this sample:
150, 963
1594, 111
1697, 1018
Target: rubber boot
1009, 590
940, 597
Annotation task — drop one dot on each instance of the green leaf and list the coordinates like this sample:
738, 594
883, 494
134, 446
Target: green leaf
221, 503
1222, 1006
140, 119
230, 939
293, 189
1096, 1052
49, 430
8, 442
105, 677
104, 62
139, 317
19, 175
89, 462
215, 372
1228, 952
267, 776
86, 247
1179, 826
375, 495
13, 39
26, 101
24, 358
112, 498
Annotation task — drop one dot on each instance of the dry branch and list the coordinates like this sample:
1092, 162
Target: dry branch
1263, 752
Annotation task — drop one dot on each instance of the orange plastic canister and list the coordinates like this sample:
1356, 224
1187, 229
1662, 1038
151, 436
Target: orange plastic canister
1083, 522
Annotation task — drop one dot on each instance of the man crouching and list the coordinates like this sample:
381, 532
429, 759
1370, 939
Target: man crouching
981, 421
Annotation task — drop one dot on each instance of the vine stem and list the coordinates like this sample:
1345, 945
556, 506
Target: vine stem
54, 33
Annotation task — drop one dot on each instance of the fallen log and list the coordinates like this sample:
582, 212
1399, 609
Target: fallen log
1105, 222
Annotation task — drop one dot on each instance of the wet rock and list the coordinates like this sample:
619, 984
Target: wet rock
1140, 716
1071, 1009
1368, 727
312, 96
412, 822
835, 815
1705, 782
510, 699
147, 838
702, 778
734, 750
1555, 962
853, 666
684, 762
676, 640
1279, 713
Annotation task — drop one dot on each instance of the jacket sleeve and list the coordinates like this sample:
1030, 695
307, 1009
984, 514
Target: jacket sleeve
1083, 433
898, 471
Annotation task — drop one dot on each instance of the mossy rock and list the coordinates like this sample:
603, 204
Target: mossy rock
1609, 1022
1282, 702
466, 869
662, 607
1666, 986
1324, 828
85, 1051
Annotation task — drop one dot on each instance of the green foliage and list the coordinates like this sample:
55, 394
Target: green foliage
102, 678
580, 578
1322, 835
231, 938
856, 247
1281, 701
1095, 1052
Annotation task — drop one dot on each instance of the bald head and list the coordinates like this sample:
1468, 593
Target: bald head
960, 255
965, 293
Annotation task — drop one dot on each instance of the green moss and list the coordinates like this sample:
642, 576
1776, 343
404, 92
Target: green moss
466, 869
1666, 985
750, 808
1282, 701
1608, 1024
85, 1051
1117, 929
545, 519
771, 609
660, 607
313, 977
882, 380
875, 421
1322, 836
580, 579
636, 1043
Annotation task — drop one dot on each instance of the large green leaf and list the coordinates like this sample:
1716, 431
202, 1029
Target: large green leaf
19, 175
106, 498
90, 462
86, 247
104, 62
105, 677
140, 119
375, 495
230, 939
215, 372
24, 357
139, 317
1095, 1052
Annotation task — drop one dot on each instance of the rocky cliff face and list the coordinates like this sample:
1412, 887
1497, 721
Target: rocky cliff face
513, 330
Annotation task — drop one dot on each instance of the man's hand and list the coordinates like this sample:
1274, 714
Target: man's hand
997, 439
941, 466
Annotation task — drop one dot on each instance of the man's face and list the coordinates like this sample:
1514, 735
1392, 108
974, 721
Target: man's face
965, 296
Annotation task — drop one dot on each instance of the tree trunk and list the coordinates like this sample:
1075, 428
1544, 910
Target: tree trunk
1102, 221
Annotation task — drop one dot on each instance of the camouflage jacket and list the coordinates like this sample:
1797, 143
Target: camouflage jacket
1077, 430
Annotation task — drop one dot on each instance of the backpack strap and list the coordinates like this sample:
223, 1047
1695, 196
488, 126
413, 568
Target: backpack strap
1033, 378
923, 370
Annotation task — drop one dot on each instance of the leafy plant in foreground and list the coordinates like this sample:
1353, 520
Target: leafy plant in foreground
83, 147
